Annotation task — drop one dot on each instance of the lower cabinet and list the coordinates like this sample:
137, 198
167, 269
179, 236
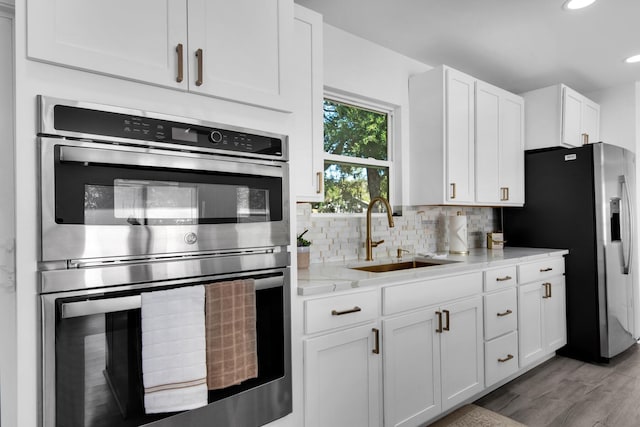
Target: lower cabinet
433, 360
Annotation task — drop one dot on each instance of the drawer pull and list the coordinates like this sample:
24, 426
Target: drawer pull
544, 270
446, 319
376, 337
506, 313
439, 328
506, 359
351, 310
505, 278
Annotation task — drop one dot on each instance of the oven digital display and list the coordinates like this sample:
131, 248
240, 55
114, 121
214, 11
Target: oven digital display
182, 134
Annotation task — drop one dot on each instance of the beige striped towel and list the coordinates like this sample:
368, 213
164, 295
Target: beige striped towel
232, 355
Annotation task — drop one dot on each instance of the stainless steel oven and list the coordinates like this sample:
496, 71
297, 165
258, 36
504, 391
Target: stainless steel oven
117, 182
135, 204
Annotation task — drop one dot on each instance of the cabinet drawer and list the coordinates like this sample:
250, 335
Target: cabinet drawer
500, 358
430, 292
500, 313
499, 278
343, 310
540, 270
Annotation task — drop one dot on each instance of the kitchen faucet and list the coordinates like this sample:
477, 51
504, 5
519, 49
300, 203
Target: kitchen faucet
369, 243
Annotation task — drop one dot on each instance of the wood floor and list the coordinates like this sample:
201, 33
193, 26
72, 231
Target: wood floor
567, 392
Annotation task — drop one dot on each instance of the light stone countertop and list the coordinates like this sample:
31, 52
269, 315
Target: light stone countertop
331, 277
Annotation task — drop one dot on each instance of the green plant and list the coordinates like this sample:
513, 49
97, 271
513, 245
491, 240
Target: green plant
301, 241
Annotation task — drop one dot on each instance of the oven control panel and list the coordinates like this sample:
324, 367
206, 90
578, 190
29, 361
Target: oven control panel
91, 122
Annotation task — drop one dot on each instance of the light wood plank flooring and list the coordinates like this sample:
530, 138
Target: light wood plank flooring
567, 392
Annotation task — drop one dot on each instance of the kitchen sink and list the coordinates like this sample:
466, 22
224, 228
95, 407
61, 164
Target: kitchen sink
395, 266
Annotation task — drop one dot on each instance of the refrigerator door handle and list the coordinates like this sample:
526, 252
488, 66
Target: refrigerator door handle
627, 262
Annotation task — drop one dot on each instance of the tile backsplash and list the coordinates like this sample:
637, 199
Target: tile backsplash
419, 229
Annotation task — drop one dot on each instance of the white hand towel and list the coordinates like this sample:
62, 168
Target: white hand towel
174, 364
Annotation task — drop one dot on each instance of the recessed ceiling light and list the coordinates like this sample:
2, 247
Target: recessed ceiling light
632, 59
577, 4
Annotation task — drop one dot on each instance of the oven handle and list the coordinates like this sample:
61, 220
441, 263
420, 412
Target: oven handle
70, 154
111, 305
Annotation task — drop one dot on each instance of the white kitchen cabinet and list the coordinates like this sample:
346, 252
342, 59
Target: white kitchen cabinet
341, 374
541, 310
242, 46
499, 146
559, 116
442, 137
306, 141
467, 141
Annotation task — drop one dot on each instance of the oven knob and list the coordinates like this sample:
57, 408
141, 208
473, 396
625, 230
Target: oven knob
215, 136
190, 238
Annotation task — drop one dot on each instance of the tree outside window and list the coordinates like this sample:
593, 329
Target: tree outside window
356, 167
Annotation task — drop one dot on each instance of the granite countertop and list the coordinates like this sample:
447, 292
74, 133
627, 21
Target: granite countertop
339, 276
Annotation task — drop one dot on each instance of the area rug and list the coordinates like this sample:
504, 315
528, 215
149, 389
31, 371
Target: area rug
475, 416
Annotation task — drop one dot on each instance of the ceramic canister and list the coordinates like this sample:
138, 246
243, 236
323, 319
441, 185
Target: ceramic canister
458, 234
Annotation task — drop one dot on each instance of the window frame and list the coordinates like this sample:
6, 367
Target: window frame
376, 107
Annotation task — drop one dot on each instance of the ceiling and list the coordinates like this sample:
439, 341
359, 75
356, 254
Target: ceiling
518, 45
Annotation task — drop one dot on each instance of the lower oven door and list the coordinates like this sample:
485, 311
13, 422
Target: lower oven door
93, 370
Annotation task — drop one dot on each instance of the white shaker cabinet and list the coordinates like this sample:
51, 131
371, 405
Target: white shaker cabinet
559, 116
499, 161
442, 137
234, 50
306, 141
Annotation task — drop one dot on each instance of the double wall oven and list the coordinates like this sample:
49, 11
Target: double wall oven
134, 203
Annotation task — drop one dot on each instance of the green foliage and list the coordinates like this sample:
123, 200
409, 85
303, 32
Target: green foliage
358, 133
302, 241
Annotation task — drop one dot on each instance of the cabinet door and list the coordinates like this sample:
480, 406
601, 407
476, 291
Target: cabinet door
136, 40
341, 375
511, 149
462, 351
488, 156
571, 117
591, 120
531, 339
555, 320
243, 47
306, 141
459, 137
411, 369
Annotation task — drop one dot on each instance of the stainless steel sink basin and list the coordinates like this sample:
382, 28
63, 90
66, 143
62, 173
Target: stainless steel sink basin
383, 268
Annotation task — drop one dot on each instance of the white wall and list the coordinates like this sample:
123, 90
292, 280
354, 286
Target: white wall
617, 115
353, 65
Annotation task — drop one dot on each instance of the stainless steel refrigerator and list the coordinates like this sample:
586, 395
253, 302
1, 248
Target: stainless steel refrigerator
583, 199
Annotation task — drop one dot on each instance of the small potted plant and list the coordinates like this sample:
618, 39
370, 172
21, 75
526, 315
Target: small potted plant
303, 250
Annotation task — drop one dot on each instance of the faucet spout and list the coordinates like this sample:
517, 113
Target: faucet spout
369, 243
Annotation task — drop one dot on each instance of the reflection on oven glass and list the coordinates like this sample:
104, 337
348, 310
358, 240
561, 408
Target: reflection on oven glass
252, 204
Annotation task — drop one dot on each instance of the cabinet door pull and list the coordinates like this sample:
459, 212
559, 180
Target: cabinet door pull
439, 328
351, 310
585, 138
376, 337
180, 63
504, 194
506, 359
446, 319
319, 186
506, 313
453, 190
505, 278
547, 290
544, 270
199, 55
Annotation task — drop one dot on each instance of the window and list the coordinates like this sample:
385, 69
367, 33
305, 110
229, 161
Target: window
356, 157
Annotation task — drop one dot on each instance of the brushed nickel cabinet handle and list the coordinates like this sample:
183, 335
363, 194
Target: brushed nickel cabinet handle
439, 328
505, 278
199, 55
504, 194
319, 186
506, 313
585, 138
179, 51
506, 359
544, 270
446, 319
351, 310
453, 190
547, 290
376, 337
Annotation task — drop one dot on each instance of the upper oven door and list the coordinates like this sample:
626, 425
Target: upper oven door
105, 200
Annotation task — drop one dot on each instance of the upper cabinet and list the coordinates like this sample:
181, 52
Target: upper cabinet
559, 116
233, 50
467, 145
306, 141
